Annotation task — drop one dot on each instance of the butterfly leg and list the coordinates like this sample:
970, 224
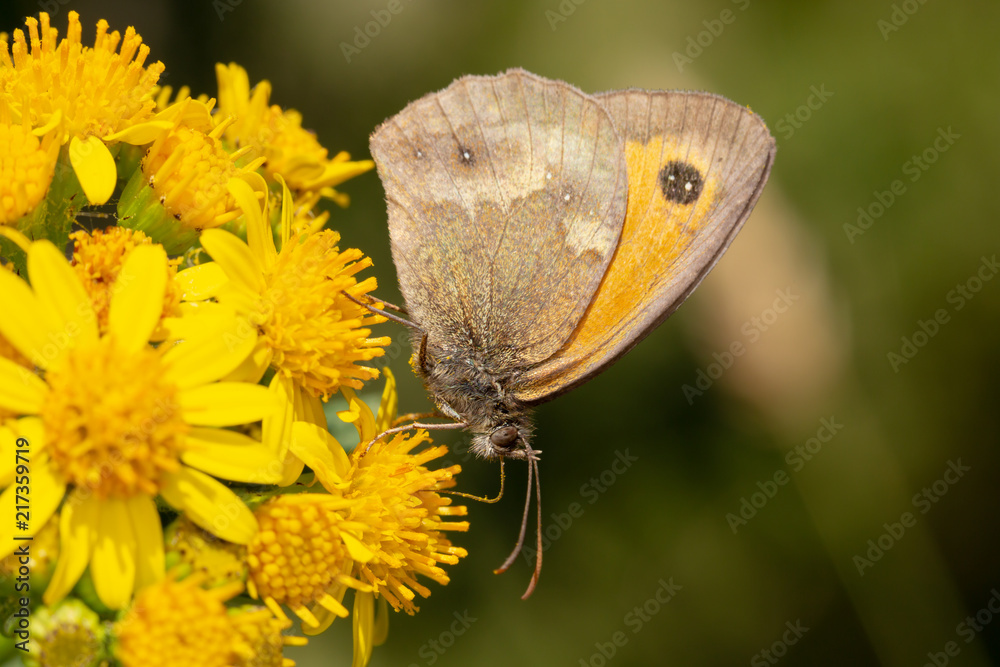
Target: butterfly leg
380, 311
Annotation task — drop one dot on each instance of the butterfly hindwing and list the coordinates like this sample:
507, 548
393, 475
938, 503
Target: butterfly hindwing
696, 165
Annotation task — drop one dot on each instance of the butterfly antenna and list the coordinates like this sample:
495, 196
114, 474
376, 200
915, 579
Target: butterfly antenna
532, 476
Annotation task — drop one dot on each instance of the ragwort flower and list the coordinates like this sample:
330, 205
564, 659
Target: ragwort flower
111, 423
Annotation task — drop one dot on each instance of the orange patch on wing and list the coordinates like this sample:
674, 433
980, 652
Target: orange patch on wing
655, 234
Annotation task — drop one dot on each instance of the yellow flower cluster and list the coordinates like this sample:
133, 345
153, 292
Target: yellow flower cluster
173, 373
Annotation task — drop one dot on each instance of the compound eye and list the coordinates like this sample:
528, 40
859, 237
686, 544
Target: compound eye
504, 437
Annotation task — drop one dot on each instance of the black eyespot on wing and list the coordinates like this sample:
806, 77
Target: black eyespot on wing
681, 182
466, 156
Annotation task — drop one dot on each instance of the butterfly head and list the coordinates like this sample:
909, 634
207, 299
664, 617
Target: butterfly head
509, 441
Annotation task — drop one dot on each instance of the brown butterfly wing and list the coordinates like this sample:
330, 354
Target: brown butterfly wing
506, 199
696, 165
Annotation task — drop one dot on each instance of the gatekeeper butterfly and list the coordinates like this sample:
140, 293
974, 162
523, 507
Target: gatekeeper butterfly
539, 233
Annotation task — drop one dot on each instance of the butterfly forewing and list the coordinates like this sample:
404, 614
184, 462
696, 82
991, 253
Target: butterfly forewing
506, 199
696, 165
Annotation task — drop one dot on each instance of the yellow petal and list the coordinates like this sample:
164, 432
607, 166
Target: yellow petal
21, 391
141, 133
137, 304
195, 318
37, 334
201, 282
260, 240
390, 403
211, 355
113, 564
226, 404
28, 502
254, 366
381, 631
57, 286
309, 408
357, 550
314, 446
94, 167
235, 258
231, 455
276, 429
292, 471
359, 414
364, 622
150, 561
210, 505
78, 526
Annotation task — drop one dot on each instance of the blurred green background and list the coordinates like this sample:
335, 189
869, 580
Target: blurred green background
827, 568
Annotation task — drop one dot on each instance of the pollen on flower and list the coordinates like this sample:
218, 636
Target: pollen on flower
98, 257
190, 171
317, 334
98, 90
262, 632
405, 514
216, 560
112, 422
179, 623
26, 168
299, 557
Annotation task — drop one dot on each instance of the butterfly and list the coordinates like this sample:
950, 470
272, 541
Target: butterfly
539, 233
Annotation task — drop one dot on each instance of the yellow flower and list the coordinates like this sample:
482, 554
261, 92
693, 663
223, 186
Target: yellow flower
218, 561
66, 634
114, 422
313, 336
26, 165
179, 623
98, 257
302, 557
90, 93
400, 504
263, 633
181, 187
291, 152
382, 524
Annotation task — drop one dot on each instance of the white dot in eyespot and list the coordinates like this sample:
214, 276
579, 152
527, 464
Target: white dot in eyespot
420, 153
465, 154
688, 186
548, 175
566, 198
